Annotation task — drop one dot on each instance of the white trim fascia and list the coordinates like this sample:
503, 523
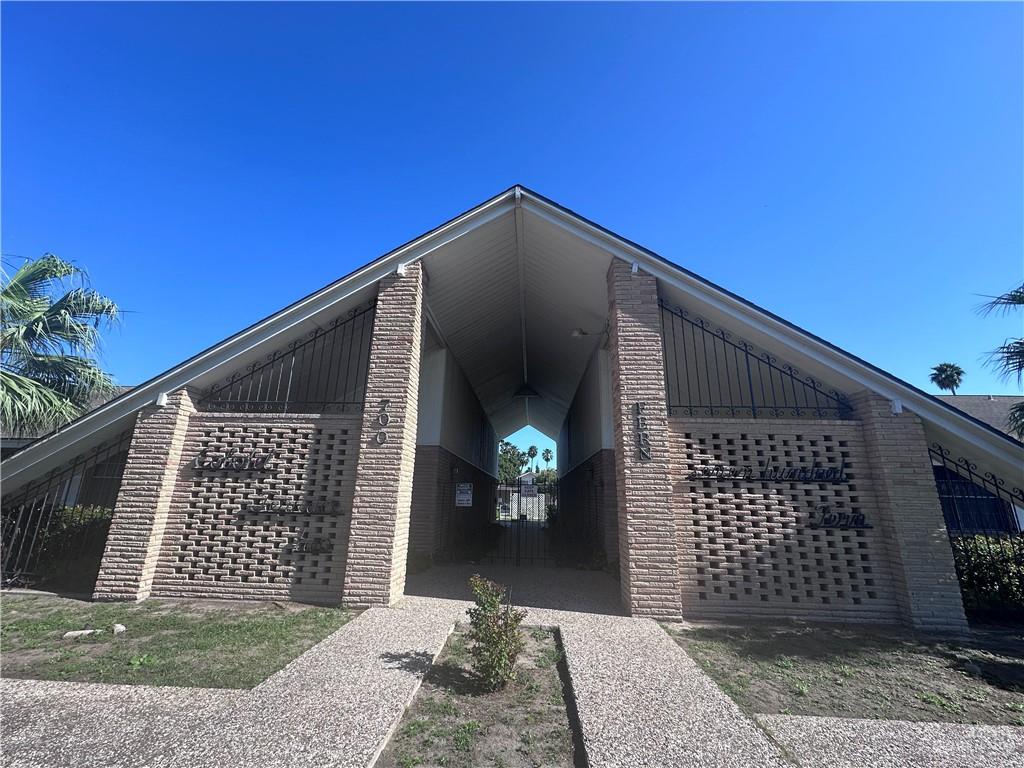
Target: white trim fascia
243, 342
788, 336
939, 415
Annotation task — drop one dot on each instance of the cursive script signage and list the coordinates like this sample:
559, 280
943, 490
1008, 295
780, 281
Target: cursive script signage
233, 460
825, 516
770, 472
267, 505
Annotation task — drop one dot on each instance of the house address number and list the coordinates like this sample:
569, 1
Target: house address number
382, 420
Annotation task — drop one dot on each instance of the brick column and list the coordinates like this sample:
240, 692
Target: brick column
648, 554
379, 537
928, 591
140, 513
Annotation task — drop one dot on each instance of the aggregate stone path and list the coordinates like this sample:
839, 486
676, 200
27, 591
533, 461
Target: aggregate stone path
832, 742
642, 701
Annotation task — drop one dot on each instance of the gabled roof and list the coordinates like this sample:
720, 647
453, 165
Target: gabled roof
816, 356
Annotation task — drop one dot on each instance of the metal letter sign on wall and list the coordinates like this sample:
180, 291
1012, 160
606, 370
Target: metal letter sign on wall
383, 419
643, 433
234, 460
770, 472
824, 516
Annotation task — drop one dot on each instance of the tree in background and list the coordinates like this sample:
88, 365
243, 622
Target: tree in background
1008, 358
531, 454
510, 462
547, 455
50, 324
947, 376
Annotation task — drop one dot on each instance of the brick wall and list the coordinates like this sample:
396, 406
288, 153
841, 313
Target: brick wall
140, 514
648, 561
927, 587
375, 572
749, 547
587, 499
276, 533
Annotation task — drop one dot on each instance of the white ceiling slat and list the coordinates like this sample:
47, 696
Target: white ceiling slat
520, 278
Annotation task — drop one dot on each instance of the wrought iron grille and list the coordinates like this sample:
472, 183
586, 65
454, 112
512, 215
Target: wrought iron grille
984, 519
710, 373
54, 530
324, 372
512, 525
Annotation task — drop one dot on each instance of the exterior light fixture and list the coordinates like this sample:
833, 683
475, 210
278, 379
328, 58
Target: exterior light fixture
526, 391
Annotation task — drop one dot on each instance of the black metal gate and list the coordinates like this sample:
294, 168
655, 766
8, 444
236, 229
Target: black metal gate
984, 519
54, 530
514, 524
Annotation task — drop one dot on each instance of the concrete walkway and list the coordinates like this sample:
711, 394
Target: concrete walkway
333, 706
832, 742
642, 701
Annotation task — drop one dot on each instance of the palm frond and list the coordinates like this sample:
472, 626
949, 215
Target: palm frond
1015, 420
29, 404
1012, 299
73, 320
77, 379
1008, 360
32, 283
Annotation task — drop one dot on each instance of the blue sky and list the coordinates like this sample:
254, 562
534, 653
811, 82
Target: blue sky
857, 169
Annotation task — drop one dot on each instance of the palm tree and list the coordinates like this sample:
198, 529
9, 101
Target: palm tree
947, 376
1008, 358
547, 455
50, 324
531, 452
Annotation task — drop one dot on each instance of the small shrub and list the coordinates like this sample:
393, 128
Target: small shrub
494, 630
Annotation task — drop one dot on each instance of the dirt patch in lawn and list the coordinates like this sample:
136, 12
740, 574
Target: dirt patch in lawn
844, 672
454, 722
199, 644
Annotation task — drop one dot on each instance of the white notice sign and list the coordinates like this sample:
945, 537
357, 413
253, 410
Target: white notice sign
463, 494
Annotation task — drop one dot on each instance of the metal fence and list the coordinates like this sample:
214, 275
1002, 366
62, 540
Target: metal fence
513, 526
709, 373
54, 530
984, 519
324, 372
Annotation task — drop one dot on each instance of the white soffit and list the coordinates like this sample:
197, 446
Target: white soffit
480, 290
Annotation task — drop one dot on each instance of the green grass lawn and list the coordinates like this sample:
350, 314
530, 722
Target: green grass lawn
863, 672
196, 643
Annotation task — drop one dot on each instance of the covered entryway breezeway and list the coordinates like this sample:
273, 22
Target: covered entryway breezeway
515, 334
520, 527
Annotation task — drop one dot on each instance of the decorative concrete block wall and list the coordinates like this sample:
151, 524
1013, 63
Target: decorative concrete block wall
140, 514
927, 586
375, 571
278, 530
648, 550
779, 547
